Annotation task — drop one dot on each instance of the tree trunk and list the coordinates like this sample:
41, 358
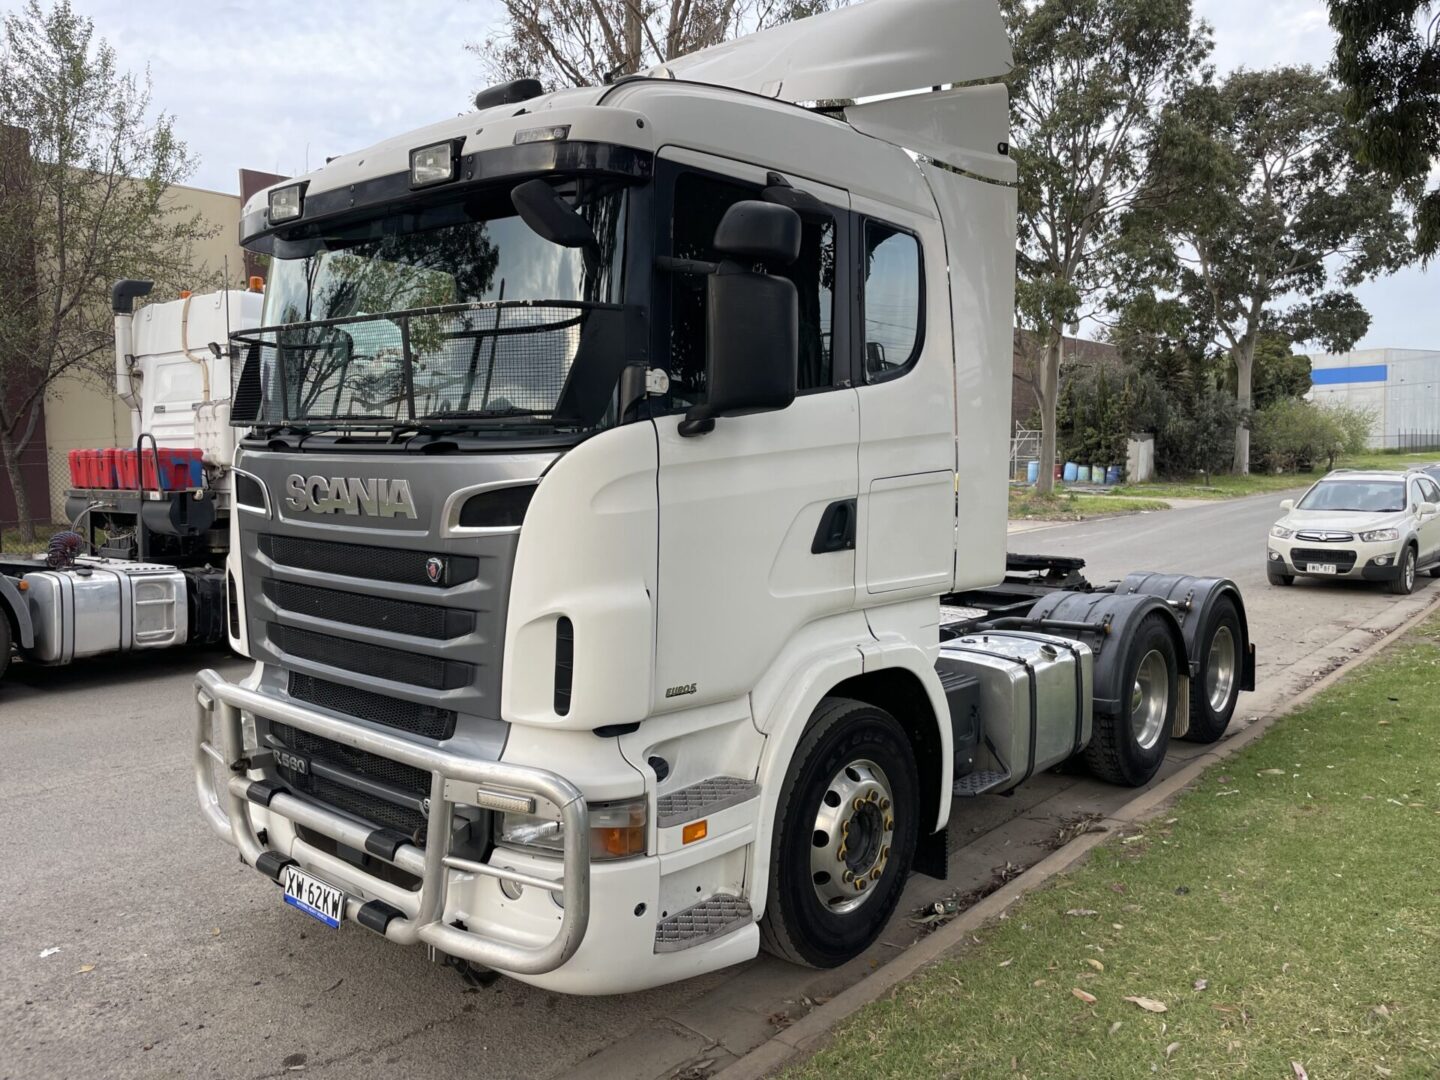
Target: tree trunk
1244, 355
1047, 389
10, 452
632, 37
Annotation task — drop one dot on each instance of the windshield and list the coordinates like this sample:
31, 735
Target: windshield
1373, 496
458, 313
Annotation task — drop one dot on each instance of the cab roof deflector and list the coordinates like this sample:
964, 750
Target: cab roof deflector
875, 48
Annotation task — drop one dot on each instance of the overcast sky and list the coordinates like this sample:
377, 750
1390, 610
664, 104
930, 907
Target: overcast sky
270, 85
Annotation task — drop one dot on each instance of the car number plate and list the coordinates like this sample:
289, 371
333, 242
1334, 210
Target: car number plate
1320, 568
314, 897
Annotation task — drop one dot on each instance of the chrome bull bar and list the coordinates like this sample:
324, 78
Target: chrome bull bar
401, 916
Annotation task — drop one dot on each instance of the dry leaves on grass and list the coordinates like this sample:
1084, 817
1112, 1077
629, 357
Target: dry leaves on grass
1096, 964
1148, 1004
1300, 1073
1089, 999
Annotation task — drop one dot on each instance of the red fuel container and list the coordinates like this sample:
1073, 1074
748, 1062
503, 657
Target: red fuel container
74, 458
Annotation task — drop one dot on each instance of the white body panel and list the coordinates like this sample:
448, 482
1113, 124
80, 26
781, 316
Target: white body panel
182, 388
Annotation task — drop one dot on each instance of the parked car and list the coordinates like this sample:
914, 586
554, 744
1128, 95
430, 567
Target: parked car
1371, 525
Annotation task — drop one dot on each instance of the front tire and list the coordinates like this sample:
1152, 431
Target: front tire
1278, 577
4, 642
1404, 584
845, 832
1216, 687
1128, 748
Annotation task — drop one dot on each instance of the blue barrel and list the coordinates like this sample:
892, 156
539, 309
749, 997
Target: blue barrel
1114, 474
1097, 474
1082, 474
1071, 472
1032, 472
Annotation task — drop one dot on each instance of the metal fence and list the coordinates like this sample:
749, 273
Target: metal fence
46, 475
1024, 448
1407, 442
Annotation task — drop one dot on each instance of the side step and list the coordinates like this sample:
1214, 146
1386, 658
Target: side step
979, 782
704, 922
701, 799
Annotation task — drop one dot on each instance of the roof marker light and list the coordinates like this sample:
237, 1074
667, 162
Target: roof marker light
553, 133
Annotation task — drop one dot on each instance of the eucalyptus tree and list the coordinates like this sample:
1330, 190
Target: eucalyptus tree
1090, 78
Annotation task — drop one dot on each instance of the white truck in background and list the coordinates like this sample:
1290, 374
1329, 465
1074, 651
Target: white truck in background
620, 530
142, 566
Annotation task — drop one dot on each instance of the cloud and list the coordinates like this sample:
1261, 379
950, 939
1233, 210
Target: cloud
260, 85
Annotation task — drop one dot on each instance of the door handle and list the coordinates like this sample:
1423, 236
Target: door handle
836, 531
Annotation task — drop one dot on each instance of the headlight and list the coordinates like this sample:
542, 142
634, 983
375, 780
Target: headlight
1380, 535
617, 830
286, 203
432, 164
1279, 533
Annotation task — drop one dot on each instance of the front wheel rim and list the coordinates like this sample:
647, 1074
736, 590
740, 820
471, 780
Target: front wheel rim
1409, 571
1150, 699
852, 837
1220, 669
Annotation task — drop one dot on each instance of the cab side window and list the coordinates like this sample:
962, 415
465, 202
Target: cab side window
701, 200
892, 301
1429, 492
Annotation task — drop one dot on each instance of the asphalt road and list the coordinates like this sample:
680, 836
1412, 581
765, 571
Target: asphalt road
175, 960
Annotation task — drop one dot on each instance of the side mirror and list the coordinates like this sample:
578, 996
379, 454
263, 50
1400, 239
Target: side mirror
752, 331
551, 217
1287, 505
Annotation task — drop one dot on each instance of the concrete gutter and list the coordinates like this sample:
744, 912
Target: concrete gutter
807, 1034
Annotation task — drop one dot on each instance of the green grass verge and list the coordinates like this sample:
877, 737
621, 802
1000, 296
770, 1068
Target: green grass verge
12, 544
1231, 487
1025, 504
1285, 910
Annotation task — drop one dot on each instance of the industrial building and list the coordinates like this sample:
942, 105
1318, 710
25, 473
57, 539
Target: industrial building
1401, 388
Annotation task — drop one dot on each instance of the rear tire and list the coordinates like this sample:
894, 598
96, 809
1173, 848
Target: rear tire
1128, 748
4, 642
1404, 584
845, 831
1215, 689
1278, 577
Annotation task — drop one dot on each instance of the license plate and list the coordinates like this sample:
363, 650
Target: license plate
314, 897
1321, 568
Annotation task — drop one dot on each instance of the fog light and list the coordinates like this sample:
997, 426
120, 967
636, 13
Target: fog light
1382, 560
286, 203
432, 164
1275, 556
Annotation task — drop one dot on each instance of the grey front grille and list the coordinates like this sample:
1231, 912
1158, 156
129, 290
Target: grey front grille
424, 720
363, 561
372, 612
358, 763
1326, 537
1344, 560
379, 661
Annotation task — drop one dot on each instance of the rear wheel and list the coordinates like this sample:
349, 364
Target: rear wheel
4, 642
1278, 576
1216, 688
845, 833
1127, 748
1404, 583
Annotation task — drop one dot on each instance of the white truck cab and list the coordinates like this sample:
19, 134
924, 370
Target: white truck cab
608, 456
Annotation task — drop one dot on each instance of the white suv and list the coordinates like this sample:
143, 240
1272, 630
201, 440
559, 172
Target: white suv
1370, 525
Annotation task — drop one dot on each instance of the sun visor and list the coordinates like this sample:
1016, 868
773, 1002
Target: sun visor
878, 47
964, 128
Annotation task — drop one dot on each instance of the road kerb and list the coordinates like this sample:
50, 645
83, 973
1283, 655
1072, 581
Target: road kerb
808, 1032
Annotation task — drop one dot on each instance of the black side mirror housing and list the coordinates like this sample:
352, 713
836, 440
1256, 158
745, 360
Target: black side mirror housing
551, 217
752, 331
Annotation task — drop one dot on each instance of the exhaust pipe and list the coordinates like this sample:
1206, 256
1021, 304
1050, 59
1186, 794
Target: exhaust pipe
122, 303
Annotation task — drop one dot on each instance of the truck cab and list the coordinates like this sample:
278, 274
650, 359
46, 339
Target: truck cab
606, 457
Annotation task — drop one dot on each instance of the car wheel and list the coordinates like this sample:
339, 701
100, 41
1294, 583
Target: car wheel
1216, 687
1404, 583
4, 643
1128, 747
1278, 577
845, 832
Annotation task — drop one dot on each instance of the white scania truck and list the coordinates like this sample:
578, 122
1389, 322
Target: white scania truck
142, 566
621, 512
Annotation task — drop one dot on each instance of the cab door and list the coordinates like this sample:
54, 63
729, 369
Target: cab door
744, 564
1427, 496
